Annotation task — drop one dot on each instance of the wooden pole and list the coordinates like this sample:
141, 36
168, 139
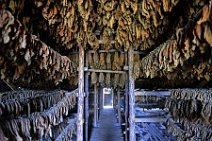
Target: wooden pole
9, 85
80, 110
119, 107
115, 50
97, 104
131, 95
113, 98
86, 99
101, 99
95, 116
105, 71
126, 101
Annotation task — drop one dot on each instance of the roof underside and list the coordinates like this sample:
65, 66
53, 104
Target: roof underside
172, 40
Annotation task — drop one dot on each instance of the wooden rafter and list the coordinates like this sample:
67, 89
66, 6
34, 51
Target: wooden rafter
115, 50
105, 71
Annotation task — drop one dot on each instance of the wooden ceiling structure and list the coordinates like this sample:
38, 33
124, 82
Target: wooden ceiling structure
171, 39
106, 41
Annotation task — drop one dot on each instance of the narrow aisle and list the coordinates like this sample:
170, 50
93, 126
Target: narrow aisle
108, 129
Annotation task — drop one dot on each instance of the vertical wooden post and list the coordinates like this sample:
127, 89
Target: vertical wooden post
126, 101
113, 97
126, 108
97, 104
95, 116
80, 110
119, 107
101, 98
86, 99
131, 95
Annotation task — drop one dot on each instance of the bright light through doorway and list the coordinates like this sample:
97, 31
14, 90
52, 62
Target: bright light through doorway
108, 107
107, 98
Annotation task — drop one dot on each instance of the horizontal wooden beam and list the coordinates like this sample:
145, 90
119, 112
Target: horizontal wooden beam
105, 51
151, 119
101, 42
153, 93
9, 85
105, 71
72, 92
115, 50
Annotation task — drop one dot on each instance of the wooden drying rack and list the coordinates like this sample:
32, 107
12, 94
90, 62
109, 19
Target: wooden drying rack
83, 102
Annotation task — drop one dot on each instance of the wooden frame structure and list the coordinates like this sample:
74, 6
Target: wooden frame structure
129, 94
95, 106
80, 107
126, 109
105, 71
119, 106
86, 99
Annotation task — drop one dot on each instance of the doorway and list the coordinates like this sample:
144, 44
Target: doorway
107, 98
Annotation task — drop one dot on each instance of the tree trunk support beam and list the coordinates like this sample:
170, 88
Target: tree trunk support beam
86, 99
131, 95
80, 109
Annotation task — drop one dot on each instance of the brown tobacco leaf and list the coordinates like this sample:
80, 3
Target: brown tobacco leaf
12, 6
72, 10
166, 5
112, 22
136, 69
115, 80
93, 41
187, 44
108, 79
80, 2
206, 12
155, 18
171, 52
38, 3
107, 38
20, 68
93, 78
134, 6
166, 51
90, 61
115, 61
122, 80
138, 31
121, 60
206, 112
144, 9
102, 61
36, 56
101, 79
27, 57
96, 60
108, 61
198, 31
207, 77
160, 55
109, 6
5, 18
208, 34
